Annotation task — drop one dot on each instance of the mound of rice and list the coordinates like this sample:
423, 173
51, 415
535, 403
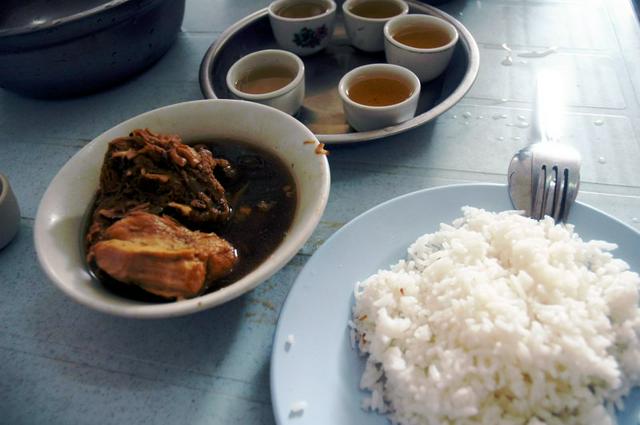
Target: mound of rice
500, 319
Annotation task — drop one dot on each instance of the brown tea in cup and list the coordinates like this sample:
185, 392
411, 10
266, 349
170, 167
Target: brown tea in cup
376, 9
422, 37
265, 79
301, 10
379, 91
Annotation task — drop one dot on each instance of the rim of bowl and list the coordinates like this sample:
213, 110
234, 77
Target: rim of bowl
423, 18
25, 29
407, 74
346, 11
208, 300
269, 95
272, 10
4, 188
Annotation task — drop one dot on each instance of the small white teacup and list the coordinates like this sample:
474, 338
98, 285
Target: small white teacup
379, 95
271, 77
364, 21
302, 27
9, 213
422, 43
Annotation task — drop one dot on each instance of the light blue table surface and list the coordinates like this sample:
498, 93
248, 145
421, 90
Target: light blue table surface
61, 363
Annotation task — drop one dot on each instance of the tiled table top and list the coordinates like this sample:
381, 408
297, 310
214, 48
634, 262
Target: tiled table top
61, 363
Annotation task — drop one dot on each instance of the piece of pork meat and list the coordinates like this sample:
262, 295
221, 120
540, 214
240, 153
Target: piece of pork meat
161, 256
160, 174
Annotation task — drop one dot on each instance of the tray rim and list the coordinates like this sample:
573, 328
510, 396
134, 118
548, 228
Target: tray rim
470, 75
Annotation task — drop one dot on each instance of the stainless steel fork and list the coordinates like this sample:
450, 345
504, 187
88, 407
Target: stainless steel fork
544, 177
555, 179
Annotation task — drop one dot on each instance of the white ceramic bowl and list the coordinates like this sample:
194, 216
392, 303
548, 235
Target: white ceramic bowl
364, 117
427, 64
58, 232
367, 33
288, 98
303, 36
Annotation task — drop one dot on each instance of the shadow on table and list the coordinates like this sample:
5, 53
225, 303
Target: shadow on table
409, 144
184, 351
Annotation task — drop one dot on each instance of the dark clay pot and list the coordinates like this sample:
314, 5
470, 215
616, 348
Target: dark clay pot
72, 47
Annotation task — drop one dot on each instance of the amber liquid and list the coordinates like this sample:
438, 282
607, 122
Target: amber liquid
379, 91
376, 9
264, 80
301, 10
422, 37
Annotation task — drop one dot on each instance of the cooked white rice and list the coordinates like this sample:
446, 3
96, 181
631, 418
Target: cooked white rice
297, 407
500, 319
291, 339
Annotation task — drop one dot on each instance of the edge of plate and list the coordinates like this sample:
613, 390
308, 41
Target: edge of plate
277, 335
469, 43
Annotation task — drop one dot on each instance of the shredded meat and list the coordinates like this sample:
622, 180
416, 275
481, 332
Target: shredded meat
161, 256
161, 175
152, 187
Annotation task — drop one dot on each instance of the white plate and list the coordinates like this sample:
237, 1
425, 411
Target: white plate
57, 230
321, 368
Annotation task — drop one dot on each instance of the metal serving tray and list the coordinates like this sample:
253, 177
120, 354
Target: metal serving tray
322, 109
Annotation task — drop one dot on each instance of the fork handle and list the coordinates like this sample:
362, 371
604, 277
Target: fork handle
547, 116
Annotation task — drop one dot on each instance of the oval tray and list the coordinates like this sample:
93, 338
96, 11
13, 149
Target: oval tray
322, 109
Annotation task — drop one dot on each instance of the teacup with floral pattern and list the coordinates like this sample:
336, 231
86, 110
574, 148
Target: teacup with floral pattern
303, 27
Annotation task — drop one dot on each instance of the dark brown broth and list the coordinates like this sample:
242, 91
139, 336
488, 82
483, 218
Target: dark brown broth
262, 176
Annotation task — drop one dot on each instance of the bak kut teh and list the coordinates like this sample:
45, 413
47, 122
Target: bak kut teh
173, 220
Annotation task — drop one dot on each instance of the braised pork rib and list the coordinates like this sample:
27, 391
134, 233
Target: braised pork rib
162, 256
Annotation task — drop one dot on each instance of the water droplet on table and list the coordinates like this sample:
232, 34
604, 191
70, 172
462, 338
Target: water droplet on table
480, 117
467, 115
454, 117
635, 220
602, 160
598, 122
504, 100
521, 118
508, 61
522, 124
538, 53
500, 138
516, 138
